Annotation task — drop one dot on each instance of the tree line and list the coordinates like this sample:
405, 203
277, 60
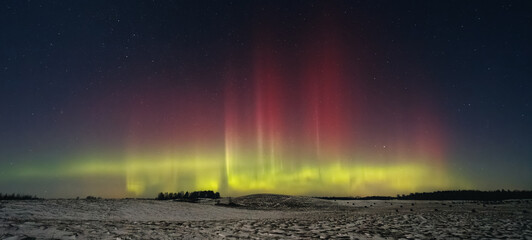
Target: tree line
186, 196
468, 195
477, 195
17, 197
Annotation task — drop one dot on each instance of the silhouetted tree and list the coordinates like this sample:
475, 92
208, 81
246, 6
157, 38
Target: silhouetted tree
160, 196
194, 195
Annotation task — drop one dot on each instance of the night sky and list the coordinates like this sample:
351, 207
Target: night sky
130, 98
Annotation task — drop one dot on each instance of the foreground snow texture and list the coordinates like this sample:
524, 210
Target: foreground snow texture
265, 216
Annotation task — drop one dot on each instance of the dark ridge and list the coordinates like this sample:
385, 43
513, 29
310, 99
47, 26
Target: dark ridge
17, 197
468, 195
477, 195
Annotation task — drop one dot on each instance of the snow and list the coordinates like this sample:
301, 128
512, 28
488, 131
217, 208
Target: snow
264, 216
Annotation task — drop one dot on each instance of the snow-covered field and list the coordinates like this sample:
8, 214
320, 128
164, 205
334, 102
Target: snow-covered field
265, 216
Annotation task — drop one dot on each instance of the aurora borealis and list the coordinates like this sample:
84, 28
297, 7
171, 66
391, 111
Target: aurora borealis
128, 99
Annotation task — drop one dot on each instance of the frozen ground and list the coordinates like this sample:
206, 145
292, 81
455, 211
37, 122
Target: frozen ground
265, 216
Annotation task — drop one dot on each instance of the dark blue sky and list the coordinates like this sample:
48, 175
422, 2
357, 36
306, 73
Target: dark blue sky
71, 70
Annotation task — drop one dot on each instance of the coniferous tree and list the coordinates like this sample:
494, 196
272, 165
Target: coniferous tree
160, 196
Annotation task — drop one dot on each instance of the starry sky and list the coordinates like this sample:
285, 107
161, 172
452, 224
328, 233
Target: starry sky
345, 98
